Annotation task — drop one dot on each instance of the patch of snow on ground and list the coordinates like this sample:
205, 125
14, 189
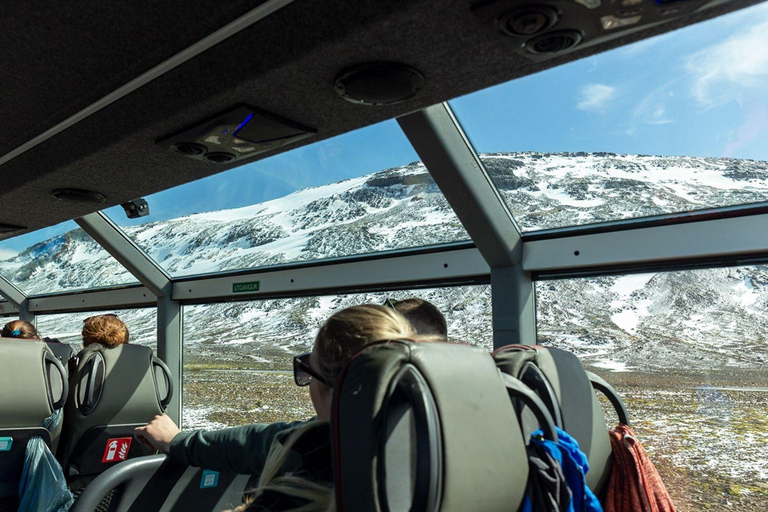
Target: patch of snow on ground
195, 419
625, 285
614, 366
627, 320
745, 292
563, 198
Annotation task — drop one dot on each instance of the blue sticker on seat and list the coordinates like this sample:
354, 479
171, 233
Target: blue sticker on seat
5, 444
209, 479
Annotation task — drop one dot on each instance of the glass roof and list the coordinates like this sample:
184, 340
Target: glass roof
674, 123
358, 193
60, 258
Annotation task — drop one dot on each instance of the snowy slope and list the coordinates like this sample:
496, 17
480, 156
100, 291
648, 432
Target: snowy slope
615, 322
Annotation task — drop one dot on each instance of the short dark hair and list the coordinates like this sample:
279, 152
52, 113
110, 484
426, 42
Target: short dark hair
423, 315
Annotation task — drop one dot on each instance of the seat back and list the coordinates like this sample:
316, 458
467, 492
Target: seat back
559, 379
153, 483
424, 427
112, 391
32, 387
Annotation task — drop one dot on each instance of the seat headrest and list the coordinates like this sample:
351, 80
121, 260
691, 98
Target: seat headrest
580, 413
427, 425
115, 384
32, 382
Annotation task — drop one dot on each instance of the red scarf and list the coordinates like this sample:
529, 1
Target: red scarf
635, 485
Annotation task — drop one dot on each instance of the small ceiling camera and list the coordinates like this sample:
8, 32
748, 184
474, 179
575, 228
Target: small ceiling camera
136, 208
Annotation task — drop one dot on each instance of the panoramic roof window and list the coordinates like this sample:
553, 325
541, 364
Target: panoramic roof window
60, 258
359, 193
674, 123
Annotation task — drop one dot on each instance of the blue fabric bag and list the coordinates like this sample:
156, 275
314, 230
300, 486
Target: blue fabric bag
42, 487
575, 467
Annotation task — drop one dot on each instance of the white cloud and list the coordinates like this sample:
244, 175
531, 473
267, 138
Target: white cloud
595, 97
723, 72
6, 254
652, 109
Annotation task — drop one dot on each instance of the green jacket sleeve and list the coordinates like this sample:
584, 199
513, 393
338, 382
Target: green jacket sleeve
240, 450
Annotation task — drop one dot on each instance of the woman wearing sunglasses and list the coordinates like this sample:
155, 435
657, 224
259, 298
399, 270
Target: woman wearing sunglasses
244, 449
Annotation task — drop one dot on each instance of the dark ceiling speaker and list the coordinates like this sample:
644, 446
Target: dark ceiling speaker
220, 157
77, 195
379, 83
527, 21
553, 42
189, 148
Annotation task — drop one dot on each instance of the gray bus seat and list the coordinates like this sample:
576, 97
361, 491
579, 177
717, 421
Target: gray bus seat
112, 391
425, 427
566, 388
32, 387
153, 483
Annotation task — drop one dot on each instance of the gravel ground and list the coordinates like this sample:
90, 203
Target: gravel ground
709, 445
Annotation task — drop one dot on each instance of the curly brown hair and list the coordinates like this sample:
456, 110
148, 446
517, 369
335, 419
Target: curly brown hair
105, 329
20, 329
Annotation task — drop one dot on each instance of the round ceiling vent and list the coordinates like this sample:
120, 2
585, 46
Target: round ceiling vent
189, 148
527, 21
379, 83
553, 42
220, 157
77, 195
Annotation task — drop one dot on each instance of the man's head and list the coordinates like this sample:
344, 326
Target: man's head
423, 315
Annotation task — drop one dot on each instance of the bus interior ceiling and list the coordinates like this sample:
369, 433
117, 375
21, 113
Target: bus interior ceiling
60, 60
96, 96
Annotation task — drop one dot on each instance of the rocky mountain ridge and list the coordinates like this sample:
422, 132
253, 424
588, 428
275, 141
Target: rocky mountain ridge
627, 322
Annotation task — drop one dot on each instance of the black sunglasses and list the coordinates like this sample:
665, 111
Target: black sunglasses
303, 373
97, 316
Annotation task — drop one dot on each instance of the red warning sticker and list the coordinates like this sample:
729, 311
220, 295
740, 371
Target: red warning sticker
117, 449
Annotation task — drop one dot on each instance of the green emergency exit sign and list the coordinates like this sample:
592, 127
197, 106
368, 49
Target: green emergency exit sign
245, 287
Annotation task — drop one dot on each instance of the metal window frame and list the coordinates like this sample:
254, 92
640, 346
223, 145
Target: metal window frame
711, 242
511, 261
154, 280
17, 299
450, 158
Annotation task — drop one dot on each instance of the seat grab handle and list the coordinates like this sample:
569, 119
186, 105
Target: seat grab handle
602, 386
52, 360
164, 401
517, 389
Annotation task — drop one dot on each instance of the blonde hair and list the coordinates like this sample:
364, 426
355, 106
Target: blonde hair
347, 331
20, 329
105, 329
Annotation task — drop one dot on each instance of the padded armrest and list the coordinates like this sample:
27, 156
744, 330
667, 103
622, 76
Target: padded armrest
154, 483
116, 476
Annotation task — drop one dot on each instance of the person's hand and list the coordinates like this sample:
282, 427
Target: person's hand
158, 434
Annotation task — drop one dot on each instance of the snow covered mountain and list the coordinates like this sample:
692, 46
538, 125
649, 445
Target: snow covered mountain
617, 322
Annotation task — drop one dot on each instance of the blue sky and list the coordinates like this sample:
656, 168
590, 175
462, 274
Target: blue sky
695, 91
699, 91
